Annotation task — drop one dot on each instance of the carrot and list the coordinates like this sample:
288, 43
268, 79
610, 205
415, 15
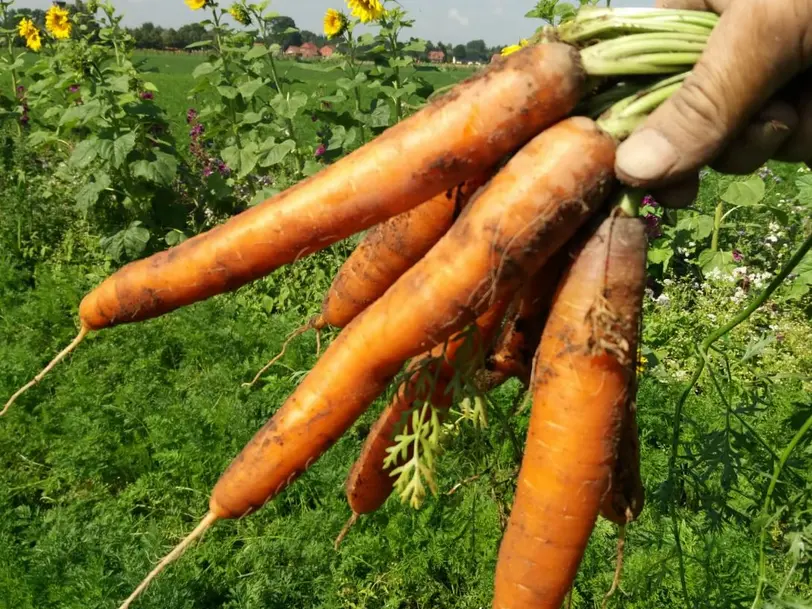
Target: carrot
386, 252
583, 375
512, 355
526, 212
370, 483
626, 497
455, 138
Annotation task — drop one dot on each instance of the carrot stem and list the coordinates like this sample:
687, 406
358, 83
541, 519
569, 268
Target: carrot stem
62, 354
178, 550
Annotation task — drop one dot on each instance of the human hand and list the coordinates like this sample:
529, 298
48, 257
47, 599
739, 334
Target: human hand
748, 100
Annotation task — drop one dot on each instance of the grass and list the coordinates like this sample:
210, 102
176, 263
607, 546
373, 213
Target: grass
109, 462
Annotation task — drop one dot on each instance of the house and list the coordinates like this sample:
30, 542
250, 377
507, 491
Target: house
326, 51
436, 56
293, 51
308, 50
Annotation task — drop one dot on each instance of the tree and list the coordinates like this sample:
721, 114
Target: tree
282, 32
477, 50
460, 52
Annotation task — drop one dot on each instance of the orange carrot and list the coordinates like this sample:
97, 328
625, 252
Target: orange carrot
386, 252
512, 355
370, 483
583, 375
455, 138
526, 212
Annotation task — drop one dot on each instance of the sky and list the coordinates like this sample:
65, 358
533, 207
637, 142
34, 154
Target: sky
497, 22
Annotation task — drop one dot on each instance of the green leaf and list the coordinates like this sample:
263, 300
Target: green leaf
288, 107
248, 159
175, 237
710, 260
122, 147
199, 44
247, 89
148, 86
203, 69
256, 52
131, 241
746, 193
757, 346
228, 91
311, 168
278, 153
263, 195
119, 84
231, 156
251, 118
417, 46
660, 256
161, 171
87, 196
345, 83
381, 116
804, 185
84, 153
700, 225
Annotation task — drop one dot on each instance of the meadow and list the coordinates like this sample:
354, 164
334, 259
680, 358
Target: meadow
109, 462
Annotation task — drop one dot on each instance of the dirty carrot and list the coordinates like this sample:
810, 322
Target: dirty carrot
453, 139
536, 202
582, 379
387, 251
369, 482
626, 497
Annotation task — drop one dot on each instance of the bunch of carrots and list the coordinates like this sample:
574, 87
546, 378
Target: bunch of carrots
499, 244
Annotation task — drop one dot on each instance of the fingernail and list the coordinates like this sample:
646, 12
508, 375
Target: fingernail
646, 156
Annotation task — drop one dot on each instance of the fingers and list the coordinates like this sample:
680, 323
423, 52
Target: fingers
744, 64
760, 141
798, 147
681, 194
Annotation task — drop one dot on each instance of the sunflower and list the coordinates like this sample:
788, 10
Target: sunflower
57, 22
195, 5
514, 47
33, 40
240, 15
366, 10
25, 27
335, 22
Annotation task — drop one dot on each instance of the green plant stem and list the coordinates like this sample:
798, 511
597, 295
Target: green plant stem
354, 70
703, 348
14, 78
777, 469
678, 545
227, 73
393, 40
717, 226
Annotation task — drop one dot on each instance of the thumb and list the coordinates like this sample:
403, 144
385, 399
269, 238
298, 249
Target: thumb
757, 46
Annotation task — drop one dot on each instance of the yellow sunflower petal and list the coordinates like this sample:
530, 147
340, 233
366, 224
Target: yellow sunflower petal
334, 23
195, 5
366, 10
57, 22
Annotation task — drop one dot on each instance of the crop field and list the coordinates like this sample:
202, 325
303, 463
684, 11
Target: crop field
108, 462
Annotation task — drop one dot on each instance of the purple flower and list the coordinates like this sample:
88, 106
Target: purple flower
207, 171
650, 201
197, 131
73, 88
20, 90
321, 150
191, 115
652, 226
147, 95
223, 168
24, 120
737, 256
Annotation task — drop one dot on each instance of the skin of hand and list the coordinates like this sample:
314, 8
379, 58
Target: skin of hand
748, 100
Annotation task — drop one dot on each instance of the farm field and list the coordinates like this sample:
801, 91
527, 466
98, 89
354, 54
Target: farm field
109, 461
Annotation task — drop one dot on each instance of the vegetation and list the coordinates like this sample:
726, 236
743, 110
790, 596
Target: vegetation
109, 463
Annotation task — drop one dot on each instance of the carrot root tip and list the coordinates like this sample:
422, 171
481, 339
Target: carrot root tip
60, 356
176, 553
297, 332
346, 529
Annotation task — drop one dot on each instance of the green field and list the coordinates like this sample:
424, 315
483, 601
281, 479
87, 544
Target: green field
108, 462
